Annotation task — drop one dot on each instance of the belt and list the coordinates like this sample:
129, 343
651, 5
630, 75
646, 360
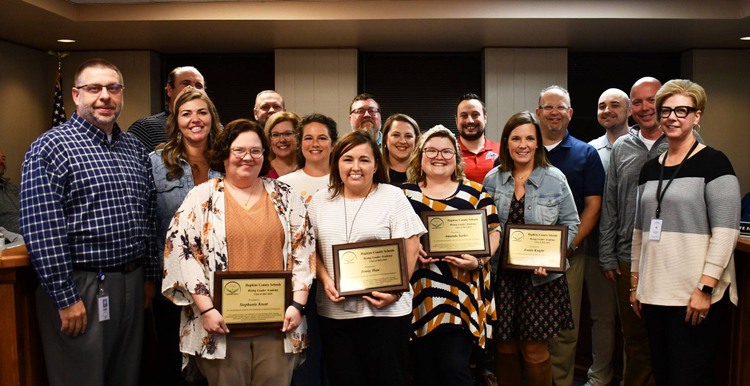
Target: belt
128, 267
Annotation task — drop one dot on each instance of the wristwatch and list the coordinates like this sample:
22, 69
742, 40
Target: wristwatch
480, 264
706, 289
302, 308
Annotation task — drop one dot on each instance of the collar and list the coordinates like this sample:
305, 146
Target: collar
486, 147
95, 133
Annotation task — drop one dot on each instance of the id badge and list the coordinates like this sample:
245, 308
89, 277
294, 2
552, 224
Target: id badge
655, 230
103, 302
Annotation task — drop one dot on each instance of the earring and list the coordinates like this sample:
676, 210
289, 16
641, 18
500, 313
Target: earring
697, 127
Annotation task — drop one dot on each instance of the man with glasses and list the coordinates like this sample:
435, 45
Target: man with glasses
478, 151
583, 169
613, 110
364, 114
267, 103
151, 130
87, 214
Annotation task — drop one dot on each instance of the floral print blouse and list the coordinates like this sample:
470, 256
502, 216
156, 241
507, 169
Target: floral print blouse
196, 247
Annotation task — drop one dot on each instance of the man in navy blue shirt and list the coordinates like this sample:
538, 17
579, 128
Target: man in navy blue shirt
582, 166
87, 214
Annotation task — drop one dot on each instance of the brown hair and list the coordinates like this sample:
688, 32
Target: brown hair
275, 119
346, 143
387, 128
519, 119
231, 131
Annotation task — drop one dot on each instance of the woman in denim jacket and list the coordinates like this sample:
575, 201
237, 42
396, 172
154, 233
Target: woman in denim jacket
177, 166
531, 307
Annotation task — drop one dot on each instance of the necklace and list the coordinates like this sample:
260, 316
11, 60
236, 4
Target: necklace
521, 178
346, 217
250, 195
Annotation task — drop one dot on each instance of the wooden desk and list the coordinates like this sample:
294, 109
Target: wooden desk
22, 361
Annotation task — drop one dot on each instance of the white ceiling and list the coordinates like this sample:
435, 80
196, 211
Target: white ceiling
379, 25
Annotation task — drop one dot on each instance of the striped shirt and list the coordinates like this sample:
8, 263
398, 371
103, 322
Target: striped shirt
445, 295
700, 213
88, 202
383, 214
151, 130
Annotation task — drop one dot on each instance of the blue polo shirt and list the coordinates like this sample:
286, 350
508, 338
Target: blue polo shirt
581, 165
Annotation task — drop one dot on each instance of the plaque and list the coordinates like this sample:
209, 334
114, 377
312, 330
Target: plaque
253, 300
456, 232
527, 246
376, 265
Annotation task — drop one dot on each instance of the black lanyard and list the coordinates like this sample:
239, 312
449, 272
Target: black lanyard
659, 192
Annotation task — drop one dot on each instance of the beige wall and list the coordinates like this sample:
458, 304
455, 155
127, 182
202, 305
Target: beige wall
26, 90
724, 125
513, 79
318, 81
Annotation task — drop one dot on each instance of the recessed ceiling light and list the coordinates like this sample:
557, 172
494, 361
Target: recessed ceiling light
66, 40
745, 38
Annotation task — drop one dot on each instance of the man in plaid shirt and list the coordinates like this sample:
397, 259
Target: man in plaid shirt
87, 213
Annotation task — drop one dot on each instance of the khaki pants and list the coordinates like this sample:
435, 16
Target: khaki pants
562, 348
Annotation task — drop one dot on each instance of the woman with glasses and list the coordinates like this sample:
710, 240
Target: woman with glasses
365, 338
178, 166
316, 135
532, 307
401, 134
453, 307
686, 228
216, 229
280, 130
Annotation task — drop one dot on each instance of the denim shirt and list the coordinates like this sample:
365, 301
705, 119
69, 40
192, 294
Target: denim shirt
170, 194
548, 201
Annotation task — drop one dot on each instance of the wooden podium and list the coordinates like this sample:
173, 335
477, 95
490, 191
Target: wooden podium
20, 347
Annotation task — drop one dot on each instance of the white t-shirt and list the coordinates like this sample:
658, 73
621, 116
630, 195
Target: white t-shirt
384, 214
304, 184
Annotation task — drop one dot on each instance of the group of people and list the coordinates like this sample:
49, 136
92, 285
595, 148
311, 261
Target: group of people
111, 218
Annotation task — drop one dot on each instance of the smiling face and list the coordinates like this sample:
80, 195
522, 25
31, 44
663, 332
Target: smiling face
356, 169
522, 144
100, 109
470, 119
401, 141
554, 112
365, 115
643, 105
612, 110
316, 143
194, 121
284, 145
247, 167
440, 166
679, 129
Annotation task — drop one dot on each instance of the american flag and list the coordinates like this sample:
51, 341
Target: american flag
58, 110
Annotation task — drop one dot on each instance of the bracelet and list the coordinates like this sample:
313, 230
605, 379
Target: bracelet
299, 306
204, 312
480, 264
634, 276
632, 289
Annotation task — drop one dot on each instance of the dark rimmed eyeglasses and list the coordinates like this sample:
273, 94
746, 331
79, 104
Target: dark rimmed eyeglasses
114, 88
679, 111
431, 152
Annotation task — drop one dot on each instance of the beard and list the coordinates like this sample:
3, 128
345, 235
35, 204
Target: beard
471, 136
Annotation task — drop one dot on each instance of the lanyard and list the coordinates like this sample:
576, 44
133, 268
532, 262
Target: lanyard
659, 192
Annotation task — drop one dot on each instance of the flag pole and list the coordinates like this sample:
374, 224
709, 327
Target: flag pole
58, 109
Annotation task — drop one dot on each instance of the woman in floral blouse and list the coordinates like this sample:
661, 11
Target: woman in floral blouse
216, 229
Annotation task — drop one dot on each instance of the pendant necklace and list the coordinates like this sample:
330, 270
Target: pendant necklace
346, 216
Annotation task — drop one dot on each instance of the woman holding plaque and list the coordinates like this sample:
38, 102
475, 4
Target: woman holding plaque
401, 134
316, 135
178, 166
283, 141
453, 306
215, 229
365, 338
531, 306
686, 228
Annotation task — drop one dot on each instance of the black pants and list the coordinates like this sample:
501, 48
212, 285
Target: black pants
683, 354
442, 358
366, 351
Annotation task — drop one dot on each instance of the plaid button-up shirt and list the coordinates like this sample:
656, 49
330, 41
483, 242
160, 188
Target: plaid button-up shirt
86, 201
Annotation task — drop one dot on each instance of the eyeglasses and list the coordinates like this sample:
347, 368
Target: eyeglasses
679, 111
560, 108
114, 88
286, 135
241, 152
361, 112
267, 108
431, 152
